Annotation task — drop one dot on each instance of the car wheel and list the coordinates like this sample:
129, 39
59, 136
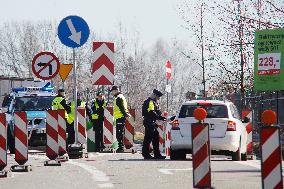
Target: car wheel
236, 156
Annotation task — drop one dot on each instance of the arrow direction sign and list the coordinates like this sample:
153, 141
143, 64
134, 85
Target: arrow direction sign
75, 36
64, 70
45, 65
73, 31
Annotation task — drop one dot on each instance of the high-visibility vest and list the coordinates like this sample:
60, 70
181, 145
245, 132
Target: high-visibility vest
116, 111
71, 114
96, 116
56, 105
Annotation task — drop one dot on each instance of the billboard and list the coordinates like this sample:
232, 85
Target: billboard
268, 60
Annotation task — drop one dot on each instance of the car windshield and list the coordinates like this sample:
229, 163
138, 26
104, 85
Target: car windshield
33, 103
214, 111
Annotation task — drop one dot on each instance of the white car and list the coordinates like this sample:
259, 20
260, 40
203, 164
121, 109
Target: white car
227, 132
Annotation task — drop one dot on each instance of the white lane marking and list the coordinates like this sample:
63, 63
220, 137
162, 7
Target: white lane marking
106, 185
256, 164
97, 175
170, 171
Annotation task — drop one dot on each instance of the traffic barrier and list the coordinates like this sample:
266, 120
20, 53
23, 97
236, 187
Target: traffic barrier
61, 132
129, 130
82, 123
200, 151
90, 137
161, 137
168, 140
271, 162
108, 128
249, 129
21, 142
52, 147
3, 146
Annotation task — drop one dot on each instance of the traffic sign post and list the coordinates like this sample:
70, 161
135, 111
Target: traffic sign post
73, 31
45, 65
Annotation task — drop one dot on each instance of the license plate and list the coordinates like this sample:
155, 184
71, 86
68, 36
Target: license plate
212, 126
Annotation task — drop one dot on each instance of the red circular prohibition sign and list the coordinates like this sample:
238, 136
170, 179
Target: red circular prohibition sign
54, 58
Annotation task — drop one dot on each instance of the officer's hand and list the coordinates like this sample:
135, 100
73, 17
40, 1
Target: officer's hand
128, 115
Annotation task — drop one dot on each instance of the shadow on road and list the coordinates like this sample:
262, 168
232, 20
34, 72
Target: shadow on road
238, 171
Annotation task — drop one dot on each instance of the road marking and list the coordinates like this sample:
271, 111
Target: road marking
170, 171
255, 164
97, 175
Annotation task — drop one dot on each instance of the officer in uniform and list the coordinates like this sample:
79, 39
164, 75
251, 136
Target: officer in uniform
98, 106
120, 113
70, 120
59, 103
151, 113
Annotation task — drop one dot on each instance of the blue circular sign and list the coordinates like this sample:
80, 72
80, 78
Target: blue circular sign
73, 31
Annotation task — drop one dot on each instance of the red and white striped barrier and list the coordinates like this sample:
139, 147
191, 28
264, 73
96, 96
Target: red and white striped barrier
161, 137
168, 140
82, 125
108, 127
3, 141
129, 130
248, 114
61, 132
271, 161
21, 138
201, 155
52, 147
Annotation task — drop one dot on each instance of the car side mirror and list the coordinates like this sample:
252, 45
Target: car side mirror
246, 120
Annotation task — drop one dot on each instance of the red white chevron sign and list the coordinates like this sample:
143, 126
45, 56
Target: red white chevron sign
103, 65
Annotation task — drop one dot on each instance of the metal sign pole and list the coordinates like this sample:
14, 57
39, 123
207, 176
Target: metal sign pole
75, 98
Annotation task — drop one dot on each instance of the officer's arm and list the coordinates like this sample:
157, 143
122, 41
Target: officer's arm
65, 106
88, 110
119, 103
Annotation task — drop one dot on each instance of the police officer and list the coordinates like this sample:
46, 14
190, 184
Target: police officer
151, 113
70, 120
59, 103
98, 106
120, 113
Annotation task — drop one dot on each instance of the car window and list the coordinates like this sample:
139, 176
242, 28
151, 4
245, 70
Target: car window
235, 112
214, 111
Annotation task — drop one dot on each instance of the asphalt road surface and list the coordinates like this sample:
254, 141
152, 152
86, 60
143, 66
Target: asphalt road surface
129, 171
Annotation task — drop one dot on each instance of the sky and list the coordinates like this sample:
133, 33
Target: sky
153, 19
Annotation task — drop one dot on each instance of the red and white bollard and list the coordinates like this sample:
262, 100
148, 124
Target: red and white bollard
129, 130
82, 126
21, 142
3, 145
201, 151
108, 128
161, 137
270, 148
52, 147
168, 140
249, 129
62, 135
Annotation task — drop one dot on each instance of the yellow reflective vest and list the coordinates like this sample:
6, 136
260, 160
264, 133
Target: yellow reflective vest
116, 111
71, 114
56, 105
94, 115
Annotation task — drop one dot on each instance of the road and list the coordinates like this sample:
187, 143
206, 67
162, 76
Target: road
129, 171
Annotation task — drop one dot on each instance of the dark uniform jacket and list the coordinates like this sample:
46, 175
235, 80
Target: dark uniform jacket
151, 111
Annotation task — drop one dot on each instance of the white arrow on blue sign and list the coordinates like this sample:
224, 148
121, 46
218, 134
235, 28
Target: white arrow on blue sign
73, 31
